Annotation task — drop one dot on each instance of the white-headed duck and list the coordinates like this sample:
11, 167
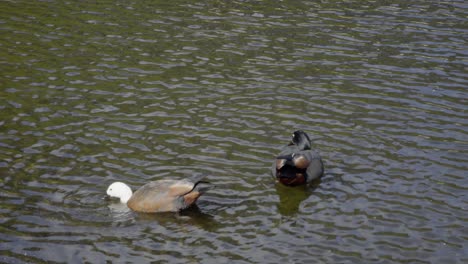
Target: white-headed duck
161, 195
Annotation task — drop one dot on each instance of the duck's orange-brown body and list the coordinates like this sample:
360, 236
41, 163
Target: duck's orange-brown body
166, 196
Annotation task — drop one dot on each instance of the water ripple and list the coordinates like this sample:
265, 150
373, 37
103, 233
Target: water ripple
136, 92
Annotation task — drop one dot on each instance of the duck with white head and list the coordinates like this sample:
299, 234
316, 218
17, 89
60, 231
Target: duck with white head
160, 195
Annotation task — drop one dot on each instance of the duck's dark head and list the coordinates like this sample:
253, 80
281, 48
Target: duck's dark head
301, 140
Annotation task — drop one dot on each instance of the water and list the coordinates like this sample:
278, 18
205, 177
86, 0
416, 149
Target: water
92, 93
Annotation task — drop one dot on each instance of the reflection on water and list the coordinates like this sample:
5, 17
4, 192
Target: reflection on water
192, 216
290, 198
140, 91
120, 212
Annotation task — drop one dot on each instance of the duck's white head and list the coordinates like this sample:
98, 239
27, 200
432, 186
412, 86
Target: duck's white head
120, 190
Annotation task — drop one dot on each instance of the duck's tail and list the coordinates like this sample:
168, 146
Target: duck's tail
202, 187
199, 188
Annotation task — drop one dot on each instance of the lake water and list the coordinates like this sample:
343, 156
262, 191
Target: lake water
134, 91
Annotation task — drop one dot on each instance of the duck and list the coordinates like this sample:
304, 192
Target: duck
166, 195
297, 163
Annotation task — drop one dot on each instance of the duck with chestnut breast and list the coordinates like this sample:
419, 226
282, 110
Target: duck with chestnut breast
160, 195
297, 163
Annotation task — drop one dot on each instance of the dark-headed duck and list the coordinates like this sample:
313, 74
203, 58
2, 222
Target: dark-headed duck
297, 164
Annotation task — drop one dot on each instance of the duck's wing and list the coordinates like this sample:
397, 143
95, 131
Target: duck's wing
199, 188
315, 168
180, 188
282, 158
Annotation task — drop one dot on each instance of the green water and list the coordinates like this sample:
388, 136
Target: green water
134, 91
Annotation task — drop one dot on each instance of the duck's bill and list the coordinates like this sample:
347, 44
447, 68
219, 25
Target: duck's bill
109, 198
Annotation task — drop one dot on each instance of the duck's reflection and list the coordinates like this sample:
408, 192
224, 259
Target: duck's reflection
292, 197
118, 208
120, 212
192, 215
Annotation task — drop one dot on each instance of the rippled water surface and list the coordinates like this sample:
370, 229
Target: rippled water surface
134, 91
